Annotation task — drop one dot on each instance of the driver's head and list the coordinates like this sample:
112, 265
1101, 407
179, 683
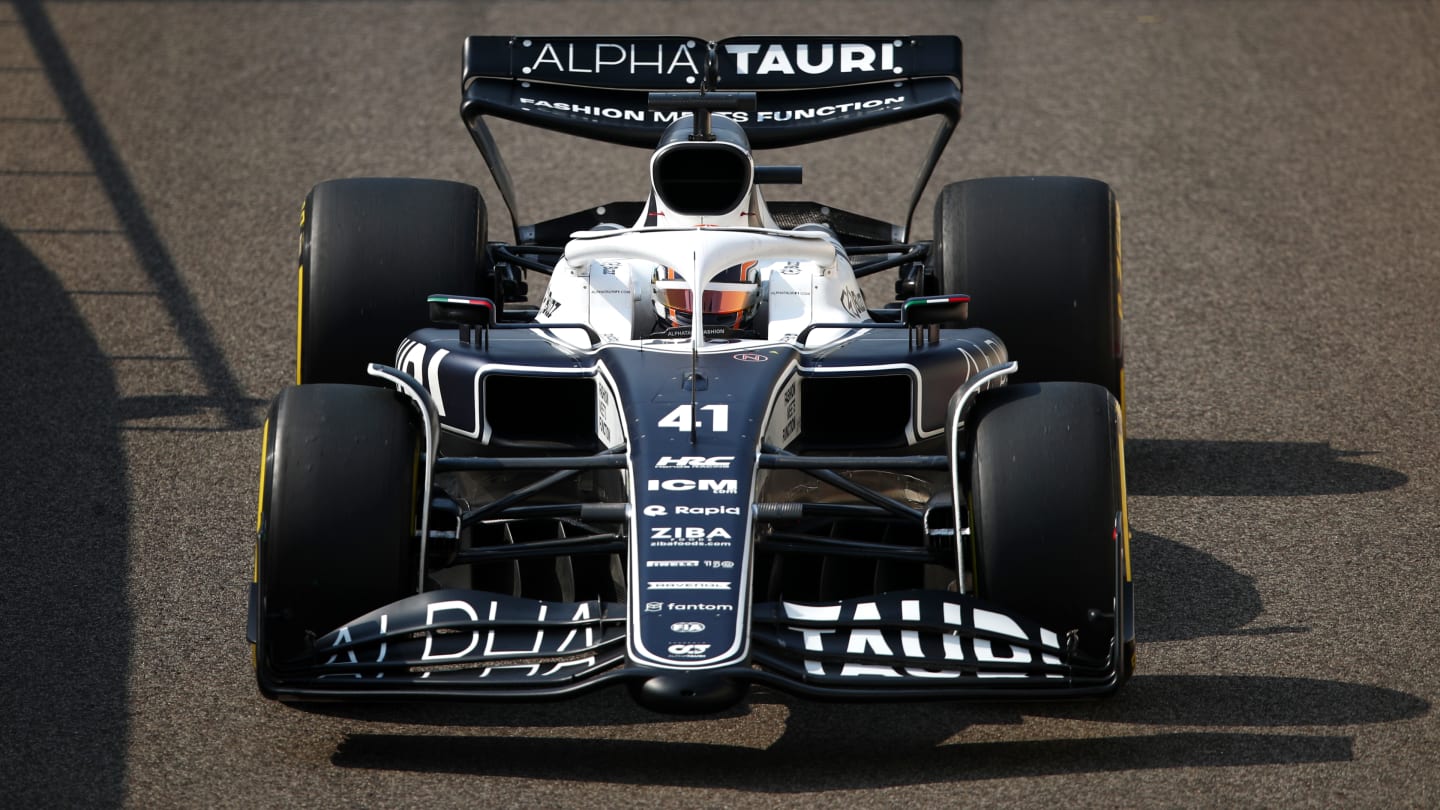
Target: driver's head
729, 299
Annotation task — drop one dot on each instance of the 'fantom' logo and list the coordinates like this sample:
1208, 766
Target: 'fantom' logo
824, 57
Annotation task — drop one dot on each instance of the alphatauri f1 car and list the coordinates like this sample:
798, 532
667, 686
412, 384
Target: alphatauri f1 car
703, 463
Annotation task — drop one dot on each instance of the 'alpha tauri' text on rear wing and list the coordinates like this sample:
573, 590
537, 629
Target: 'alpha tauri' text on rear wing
806, 89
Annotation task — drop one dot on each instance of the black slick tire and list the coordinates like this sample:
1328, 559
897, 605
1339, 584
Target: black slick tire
1040, 259
1047, 508
337, 517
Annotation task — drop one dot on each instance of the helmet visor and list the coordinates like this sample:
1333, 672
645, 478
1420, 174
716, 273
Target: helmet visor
717, 299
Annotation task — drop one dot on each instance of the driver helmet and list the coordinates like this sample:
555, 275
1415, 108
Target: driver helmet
728, 301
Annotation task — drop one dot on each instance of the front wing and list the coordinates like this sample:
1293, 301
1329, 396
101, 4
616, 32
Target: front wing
919, 644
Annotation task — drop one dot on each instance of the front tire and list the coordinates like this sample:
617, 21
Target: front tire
1047, 509
338, 505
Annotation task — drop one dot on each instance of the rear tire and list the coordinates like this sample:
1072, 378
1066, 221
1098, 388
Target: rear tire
1040, 258
1047, 507
371, 251
338, 508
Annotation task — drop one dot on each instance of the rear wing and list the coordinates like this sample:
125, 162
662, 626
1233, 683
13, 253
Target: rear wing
807, 89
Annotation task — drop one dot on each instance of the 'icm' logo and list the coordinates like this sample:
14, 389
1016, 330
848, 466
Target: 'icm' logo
721, 486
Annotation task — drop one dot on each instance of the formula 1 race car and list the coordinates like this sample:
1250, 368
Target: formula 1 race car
704, 462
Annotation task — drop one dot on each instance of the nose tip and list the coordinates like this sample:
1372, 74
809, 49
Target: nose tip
688, 693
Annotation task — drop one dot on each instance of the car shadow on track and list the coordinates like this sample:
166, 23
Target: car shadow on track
1184, 593
849, 747
66, 509
792, 769
1234, 468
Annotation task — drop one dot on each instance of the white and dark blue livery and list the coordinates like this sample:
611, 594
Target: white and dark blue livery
703, 461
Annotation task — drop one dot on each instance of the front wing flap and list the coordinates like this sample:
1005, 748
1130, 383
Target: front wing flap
907, 645
456, 637
917, 638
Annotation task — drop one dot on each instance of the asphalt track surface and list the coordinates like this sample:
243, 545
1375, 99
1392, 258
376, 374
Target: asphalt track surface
1277, 167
